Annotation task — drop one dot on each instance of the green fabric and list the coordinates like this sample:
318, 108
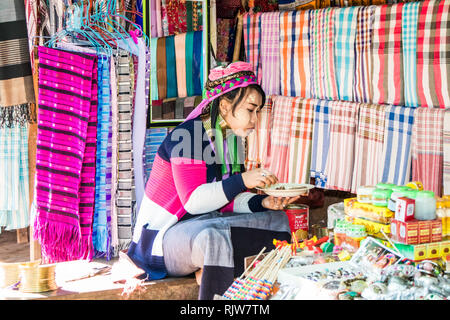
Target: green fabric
189, 61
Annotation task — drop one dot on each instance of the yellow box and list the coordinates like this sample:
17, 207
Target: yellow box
444, 248
374, 228
371, 212
348, 204
433, 250
420, 252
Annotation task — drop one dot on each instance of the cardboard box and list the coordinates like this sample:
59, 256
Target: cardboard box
424, 231
436, 230
408, 232
433, 250
404, 209
445, 248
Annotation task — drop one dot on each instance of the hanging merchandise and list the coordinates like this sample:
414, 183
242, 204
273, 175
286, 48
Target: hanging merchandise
295, 69
320, 142
300, 140
341, 155
322, 41
252, 41
345, 20
427, 148
280, 136
368, 146
433, 45
387, 76
362, 83
396, 158
270, 53
446, 141
65, 165
180, 60
410, 14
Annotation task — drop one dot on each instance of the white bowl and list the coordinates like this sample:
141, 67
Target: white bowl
291, 189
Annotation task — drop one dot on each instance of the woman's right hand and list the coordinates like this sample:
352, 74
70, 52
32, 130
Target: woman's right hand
258, 178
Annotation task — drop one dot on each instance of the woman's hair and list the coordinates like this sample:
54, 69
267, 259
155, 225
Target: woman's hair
235, 97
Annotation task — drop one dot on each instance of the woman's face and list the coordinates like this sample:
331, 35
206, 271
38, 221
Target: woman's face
243, 120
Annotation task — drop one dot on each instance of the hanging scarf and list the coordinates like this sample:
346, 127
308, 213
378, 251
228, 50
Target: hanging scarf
171, 68
282, 111
295, 54
197, 63
31, 17
369, 146
396, 158
258, 142
180, 59
65, 167
320, 142
252, 41
125, 187
300, 140
410, 16
176, 16
341, 155
16, 81
321, 30
161, 68
114, 155
100, 227
14, 196
154, 71
433, 47
189, 63
345, 20
446, 141
427, 148
362, 83
270, 53
387, 80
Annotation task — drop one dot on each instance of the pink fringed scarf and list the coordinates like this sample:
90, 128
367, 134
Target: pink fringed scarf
66, 148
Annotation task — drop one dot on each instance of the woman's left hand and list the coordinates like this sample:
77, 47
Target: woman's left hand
278, 203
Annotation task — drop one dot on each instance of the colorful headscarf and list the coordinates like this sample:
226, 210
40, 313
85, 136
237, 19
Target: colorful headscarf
222, 80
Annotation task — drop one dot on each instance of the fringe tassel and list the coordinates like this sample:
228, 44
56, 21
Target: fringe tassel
59, 242
17, 115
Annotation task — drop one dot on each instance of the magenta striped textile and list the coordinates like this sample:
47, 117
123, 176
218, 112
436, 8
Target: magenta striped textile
340, 161
368, 167
66, 148
433, 54
427, 148
387, 76
270, 52
252, 41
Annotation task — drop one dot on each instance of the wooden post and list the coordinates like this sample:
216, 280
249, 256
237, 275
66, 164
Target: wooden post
22, 235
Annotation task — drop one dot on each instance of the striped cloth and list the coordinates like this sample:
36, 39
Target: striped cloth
446, 141
410, 15
32, 18
387, 76
270, 52
100, 226
433, 54
321, 43
295, 54
396, 158
369, 146
345, 20
300, 140
154, 78
341, 155
14, 195
282, 110
320, 142
65, 166
16, 81
252, 41
125, 190
153, 139
258, 142
114, 245
427, 148
362, 83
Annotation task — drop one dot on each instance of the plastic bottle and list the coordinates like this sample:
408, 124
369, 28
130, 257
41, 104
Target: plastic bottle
425, 206
440, 213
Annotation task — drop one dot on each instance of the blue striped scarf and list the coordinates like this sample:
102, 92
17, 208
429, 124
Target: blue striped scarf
320, 142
